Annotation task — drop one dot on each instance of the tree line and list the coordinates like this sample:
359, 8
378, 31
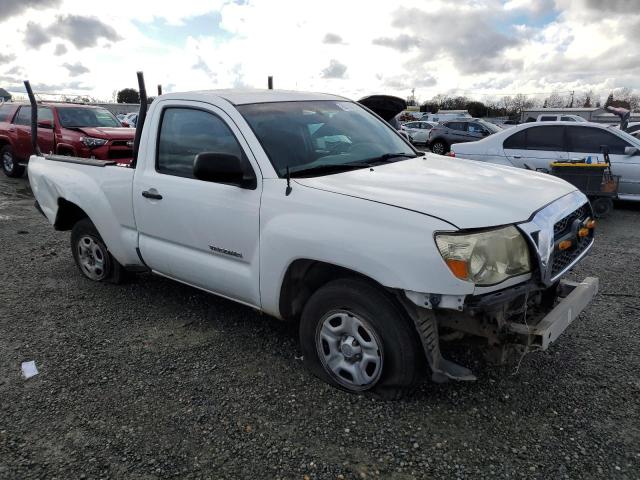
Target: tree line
512, 106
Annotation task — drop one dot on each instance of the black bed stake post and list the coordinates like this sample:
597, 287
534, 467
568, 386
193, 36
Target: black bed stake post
270, 82
159, 89
142, 115
34, 118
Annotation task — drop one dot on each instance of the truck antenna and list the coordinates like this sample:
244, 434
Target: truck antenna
159, 89
288, 190
270, 82
142, 115
34, 118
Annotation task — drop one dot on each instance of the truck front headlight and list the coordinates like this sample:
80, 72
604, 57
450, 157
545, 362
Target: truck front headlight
485, 258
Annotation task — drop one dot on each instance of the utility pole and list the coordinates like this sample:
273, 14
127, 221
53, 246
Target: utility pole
572, 93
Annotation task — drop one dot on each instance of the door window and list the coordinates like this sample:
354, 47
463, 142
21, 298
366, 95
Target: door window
475, 128
186, 132
590, 140
24, 115
550, 139
567, 119
517, 141
6, 112
548, 118
426, 126
461, 126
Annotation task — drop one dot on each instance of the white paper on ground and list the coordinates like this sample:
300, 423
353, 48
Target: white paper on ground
29, 369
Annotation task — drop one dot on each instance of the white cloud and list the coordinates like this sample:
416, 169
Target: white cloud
463, 49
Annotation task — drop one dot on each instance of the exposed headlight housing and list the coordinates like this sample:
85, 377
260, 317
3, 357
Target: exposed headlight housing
485, 258
93, 142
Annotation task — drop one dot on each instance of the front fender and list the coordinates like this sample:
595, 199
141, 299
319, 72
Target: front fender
390, 245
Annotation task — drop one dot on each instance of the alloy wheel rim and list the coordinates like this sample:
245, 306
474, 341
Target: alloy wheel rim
92, 257
438, 149
7, 161
350, 350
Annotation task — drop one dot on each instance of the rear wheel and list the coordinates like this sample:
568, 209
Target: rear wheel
602, 207
439, 147
10, 165
354, 337
92, 256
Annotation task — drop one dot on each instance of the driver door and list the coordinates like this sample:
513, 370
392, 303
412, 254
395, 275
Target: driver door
202, 233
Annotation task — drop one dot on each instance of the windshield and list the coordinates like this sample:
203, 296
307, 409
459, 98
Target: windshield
629, 138
87, 117
492, 127
316, 135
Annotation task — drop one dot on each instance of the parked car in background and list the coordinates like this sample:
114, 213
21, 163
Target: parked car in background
633, 128
560, 118
444, 134
131, 119
418, 131
311, 209
65, 129
536, 145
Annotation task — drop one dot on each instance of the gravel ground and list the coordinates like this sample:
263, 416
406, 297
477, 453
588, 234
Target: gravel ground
154, 379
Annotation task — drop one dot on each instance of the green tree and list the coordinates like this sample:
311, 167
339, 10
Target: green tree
128, 95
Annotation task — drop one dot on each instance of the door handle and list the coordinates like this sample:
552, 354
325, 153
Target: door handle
153, 194
517, 156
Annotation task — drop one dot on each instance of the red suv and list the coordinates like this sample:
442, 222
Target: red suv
65, 129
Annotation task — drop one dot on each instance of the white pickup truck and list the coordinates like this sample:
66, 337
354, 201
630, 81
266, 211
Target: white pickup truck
311, 208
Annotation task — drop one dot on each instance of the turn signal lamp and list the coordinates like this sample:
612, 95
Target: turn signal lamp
591, 223
565, 244
583, 232
459, 268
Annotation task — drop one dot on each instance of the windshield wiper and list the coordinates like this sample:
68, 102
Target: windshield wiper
327, 169
388, 156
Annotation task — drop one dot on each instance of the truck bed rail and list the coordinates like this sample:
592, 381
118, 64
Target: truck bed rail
94, 162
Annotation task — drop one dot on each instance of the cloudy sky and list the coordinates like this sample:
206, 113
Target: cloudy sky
350, 47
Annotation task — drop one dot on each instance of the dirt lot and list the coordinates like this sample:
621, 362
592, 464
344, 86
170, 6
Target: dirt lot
154, 379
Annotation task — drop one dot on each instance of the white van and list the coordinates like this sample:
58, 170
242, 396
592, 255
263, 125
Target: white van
560, 118
445, 115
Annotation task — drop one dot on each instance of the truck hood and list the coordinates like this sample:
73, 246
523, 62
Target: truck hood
464, 193
112, 133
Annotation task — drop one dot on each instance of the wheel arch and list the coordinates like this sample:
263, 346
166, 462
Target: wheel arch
305, 276
68, 215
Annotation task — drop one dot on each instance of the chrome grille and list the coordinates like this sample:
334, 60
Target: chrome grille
561, 227
563, 259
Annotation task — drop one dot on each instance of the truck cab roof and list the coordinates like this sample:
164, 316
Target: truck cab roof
247, 96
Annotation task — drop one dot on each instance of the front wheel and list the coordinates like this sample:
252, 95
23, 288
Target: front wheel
439, 147
10, 165
353, 336
92, 256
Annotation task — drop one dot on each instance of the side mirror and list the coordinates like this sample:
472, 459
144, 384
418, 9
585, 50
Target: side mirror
223, 168
45, 124
631, 151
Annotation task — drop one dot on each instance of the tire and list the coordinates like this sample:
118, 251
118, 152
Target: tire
349, 320
602, 207
92, 256
10, 165
439, 147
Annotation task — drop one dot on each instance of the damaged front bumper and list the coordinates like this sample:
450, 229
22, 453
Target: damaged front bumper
551, 326
515, 320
